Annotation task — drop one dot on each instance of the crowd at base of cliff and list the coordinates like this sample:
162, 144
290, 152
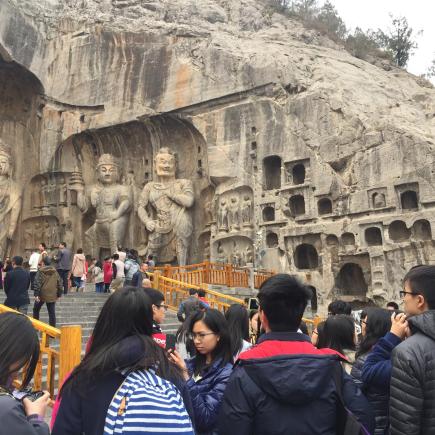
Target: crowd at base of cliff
239, 372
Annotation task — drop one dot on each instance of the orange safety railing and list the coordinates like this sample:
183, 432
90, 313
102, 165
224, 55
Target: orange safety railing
214, 273
56, 361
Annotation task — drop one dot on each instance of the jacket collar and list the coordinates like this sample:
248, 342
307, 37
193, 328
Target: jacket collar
283, 336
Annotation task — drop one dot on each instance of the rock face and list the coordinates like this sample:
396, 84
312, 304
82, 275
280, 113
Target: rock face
302, 158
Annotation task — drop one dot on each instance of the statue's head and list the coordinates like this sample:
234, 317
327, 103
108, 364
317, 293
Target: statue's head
5, 159
108, 169
165, 163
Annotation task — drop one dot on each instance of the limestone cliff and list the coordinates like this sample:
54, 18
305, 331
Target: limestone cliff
329, 158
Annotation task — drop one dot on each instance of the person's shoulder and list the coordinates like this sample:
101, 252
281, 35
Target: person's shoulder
7, 404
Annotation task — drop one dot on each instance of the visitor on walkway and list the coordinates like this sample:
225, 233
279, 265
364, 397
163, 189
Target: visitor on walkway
131, 266
121, 345
318, 336
159, 313
17, 283
78, 268
284, 384
339, 307
140, 275
339, 332
376, 323
122, 253
412, 395
151, 263
117, 273
190, 305
254, 326
84, 278
63, 260
47, 289
392, 306
19, 349
35, 261
98, 274
208, 372
8, 265
108, 273
238, 324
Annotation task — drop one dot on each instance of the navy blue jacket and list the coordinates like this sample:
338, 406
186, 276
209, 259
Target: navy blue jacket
284, 385
207, 393
17, 282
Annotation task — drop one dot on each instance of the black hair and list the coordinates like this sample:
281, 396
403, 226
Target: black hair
150, 257
321, 338
63, 244
19, 346
303, 327
339, 333
17, 260
80, 251
193, 291
393, 305
98, 264
421, 279
283, 298
126, 314
238, 323
155, 296
215, 321
43, 245
106, 258
339, 307
115, 256
201, 293
46, 260
378, 323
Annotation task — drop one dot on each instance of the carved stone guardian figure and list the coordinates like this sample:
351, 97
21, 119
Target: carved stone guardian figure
163, 209
10, 201
247, 211
234, 213
112, 202
223, 216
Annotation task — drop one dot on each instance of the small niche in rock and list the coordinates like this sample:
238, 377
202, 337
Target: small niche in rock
373, 236
272, 240
421, 230
297, 205
350, 280
298, 173
348, 239
272, 172
306, 257
268, 214
324, 206
409, 200
398, 232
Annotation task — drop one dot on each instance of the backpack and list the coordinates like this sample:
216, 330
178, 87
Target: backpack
146, 403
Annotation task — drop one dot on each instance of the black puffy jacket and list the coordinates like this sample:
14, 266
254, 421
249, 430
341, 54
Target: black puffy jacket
412, 402
377, 397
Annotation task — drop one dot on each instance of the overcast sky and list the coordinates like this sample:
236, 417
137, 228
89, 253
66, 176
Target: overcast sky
374, 14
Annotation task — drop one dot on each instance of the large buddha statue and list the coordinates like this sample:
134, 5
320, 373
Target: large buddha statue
112, 202
163, 209
10, 201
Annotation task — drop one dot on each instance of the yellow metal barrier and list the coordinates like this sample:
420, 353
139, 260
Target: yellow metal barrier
61, 361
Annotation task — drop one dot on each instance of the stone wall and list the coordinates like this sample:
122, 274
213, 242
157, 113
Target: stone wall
303, 159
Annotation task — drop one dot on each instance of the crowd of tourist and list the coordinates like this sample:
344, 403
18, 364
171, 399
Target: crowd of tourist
240, 373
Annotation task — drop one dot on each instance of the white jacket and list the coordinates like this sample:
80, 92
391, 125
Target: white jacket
34, 261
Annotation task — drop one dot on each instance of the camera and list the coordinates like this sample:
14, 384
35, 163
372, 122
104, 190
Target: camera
27, 393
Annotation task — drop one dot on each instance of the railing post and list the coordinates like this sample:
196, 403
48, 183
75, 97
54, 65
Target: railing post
156, 279
70, 350
167, 270
207, 274
229, 275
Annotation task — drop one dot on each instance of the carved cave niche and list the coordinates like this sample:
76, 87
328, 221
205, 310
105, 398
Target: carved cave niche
237, 250
44, 229
378, 198
350, 281
135, 145
331, 240
297, 205
297, 172
306, 257
268, 214
348, 239
272, 240
398, 232
373, 236
421, 230
324, 206
272, 172
408, 195
204, 249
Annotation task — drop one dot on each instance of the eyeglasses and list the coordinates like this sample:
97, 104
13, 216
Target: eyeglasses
200, 335
402, 293
164, 306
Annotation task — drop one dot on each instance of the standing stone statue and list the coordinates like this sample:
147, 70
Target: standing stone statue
223, 216
44, 196
163, 209
10, 201
63, 192
234, 213
247, 211
112, 202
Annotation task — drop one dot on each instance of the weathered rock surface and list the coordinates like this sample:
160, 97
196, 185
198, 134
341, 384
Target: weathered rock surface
334, 154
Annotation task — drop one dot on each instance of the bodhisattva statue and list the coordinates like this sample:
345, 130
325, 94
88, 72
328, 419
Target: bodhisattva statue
163, 209
10, 201
112, 202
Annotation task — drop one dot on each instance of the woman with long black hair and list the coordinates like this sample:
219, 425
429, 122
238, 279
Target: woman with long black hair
376, 323
238, 323
121, 344
19, 349
207, 373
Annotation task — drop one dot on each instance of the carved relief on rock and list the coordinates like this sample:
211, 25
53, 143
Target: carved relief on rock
112, 202
247, 211
234, 213
10, 201
163, 210
237, 250
223, 215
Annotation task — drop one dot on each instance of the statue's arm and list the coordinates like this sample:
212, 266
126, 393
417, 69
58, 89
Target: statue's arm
125, 203
186, 197
82, 201
143, 202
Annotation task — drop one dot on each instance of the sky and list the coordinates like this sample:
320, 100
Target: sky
374, 14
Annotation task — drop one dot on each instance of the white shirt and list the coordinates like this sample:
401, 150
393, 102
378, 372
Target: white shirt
34, 261
122, 256
119, 269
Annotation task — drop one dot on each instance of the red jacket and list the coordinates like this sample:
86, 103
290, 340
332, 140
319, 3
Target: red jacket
108, 272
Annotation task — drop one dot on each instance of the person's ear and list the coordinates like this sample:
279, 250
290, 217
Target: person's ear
421, 303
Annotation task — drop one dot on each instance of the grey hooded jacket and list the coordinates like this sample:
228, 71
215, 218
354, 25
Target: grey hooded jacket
14, 421
412, 394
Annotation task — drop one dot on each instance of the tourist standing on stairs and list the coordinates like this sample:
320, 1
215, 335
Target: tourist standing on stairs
140, 276
108, 273
118, 273
78, 268
190, 305
35, 261
48, 288
131, 266
63, 259
98, 273
16, 283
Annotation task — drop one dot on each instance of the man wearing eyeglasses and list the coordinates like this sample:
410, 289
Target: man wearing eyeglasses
412, 401
159, 314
